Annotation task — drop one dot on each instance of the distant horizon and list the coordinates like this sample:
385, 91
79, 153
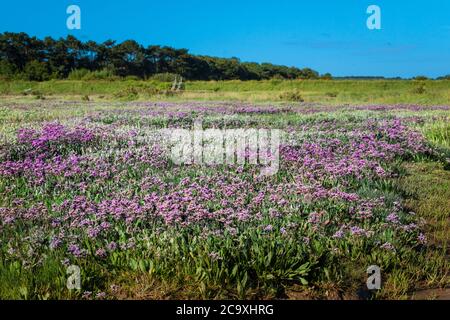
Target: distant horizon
325, 36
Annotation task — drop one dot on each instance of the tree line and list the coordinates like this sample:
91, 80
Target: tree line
30, 58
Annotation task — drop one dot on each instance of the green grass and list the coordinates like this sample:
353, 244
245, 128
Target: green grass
438, 133
426, 188
427, 92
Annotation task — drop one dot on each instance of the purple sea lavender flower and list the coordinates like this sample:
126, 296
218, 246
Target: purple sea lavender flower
314, 217
339, 234
393, 218
422, 238
357, 231
75, 250
111, 246
387, 246
55, 242
100, 253
232, 231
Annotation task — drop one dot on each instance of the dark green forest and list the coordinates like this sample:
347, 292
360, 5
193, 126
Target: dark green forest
29, 58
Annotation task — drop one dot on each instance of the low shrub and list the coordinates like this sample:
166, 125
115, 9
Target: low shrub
292, 96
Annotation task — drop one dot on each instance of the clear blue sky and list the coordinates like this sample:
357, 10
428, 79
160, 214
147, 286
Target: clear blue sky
326, 35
